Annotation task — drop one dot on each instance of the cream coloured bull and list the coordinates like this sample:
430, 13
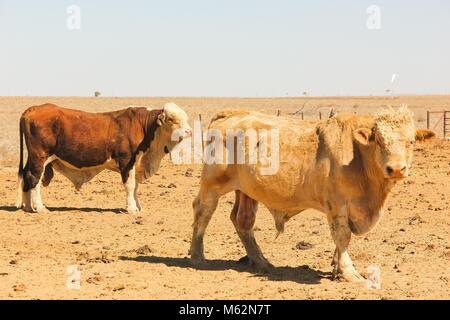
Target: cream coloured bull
344, 166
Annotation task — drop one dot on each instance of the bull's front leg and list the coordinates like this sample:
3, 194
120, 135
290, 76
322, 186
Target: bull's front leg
130, 184
138, 204
341, 233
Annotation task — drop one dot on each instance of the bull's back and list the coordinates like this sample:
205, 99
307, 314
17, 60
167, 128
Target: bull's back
298, 145
292, 178
81, 138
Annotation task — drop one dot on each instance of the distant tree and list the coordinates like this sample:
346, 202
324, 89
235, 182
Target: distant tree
97, 93
305, 93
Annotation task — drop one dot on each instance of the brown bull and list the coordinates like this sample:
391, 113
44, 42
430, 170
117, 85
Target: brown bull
80, 145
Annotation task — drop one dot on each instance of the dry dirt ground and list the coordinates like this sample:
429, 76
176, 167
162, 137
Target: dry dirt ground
141, 256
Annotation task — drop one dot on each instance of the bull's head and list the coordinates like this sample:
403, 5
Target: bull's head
391, 141
173, 119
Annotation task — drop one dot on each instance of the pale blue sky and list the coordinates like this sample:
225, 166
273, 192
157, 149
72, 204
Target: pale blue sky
224, 48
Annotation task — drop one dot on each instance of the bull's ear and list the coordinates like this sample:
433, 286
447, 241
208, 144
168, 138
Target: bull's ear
363, 135
161, 119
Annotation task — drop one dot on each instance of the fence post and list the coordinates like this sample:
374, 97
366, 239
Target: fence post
444, 126
201, 133
446, 123
428, 119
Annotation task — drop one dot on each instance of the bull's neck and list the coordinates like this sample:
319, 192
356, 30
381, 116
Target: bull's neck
149, 126
152, 147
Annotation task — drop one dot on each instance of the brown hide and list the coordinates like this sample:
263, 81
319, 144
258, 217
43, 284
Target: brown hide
83, 139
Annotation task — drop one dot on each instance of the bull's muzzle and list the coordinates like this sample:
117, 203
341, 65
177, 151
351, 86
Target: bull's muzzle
396, 171
184, 133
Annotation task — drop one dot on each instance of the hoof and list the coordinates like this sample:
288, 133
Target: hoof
348, 276
131, 210
198, 261
259, 265
244, 259
262, 266
42, 210
197, 255
28, 209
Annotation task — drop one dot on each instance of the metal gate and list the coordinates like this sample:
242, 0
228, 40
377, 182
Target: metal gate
443, 120
446, 124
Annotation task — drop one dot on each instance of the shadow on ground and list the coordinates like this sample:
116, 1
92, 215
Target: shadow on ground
8, 208
65, 209
87, 209
302, 274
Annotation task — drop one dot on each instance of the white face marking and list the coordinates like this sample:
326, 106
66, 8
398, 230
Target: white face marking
395, 133
149, 161
177, 118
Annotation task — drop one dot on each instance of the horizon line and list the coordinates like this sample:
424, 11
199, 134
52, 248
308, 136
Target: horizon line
232, 97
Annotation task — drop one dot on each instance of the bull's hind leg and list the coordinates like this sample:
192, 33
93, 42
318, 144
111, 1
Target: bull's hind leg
48, 175
204, 206
33, 174
243, 216
23, 193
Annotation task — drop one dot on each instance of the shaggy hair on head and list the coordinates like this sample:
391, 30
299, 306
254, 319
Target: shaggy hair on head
394, 117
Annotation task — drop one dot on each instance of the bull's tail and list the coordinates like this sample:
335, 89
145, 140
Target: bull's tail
19, 201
